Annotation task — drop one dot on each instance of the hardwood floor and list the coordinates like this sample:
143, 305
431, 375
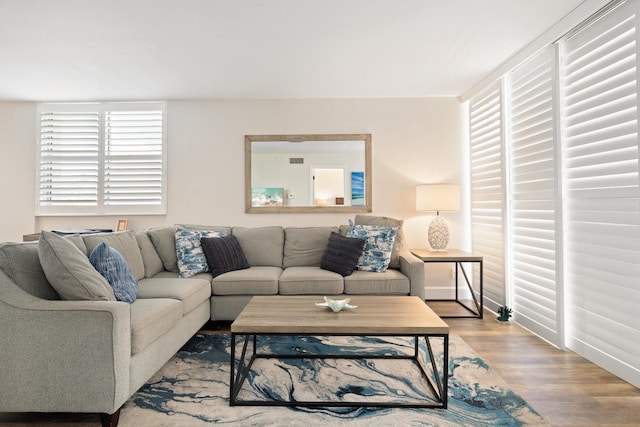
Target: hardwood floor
564, 388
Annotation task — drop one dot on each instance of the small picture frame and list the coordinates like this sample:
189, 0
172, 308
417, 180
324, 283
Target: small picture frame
122, 225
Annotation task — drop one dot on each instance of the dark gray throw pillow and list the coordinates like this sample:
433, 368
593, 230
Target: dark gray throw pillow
342, 254
223, 254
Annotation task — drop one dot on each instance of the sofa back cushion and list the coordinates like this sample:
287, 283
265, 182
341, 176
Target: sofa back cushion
20, 262
124, 242
164, 240
150, 258
76, 239
261, 246
305, 246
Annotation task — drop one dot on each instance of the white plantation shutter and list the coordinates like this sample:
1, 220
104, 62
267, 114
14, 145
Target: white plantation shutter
133, 159
98, 158
68, 158
536, 286
601, 204
487, 190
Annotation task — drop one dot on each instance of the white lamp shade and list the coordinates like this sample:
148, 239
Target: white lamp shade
437, 197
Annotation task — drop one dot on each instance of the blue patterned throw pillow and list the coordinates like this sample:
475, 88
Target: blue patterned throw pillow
191, 259
113, 267
378, 245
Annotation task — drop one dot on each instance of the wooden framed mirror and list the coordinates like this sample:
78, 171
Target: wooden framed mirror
308, 173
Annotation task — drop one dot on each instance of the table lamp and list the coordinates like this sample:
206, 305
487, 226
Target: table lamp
438, 197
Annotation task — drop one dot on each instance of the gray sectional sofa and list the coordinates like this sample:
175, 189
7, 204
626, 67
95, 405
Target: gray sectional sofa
90, 356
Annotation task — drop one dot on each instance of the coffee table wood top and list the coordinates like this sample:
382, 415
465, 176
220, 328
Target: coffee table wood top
389, 315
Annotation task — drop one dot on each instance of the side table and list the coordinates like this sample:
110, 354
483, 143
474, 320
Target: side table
458, 257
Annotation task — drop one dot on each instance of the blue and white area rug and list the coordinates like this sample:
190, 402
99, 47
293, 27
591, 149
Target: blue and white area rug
192, 389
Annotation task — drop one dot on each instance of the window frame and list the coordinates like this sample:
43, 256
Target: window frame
101, 207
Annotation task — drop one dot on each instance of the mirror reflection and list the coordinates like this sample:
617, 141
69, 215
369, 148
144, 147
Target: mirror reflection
308, 173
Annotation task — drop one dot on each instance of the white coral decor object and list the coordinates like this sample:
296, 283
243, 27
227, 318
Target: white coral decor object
336, 305
438, 234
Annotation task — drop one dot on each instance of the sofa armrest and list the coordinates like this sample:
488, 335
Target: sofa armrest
62, 356
413, 267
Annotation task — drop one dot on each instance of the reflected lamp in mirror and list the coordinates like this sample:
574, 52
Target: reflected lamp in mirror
437, 198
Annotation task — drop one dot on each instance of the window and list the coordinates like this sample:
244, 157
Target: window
101, 158
534, 198
571, 205
487, 189
601, 186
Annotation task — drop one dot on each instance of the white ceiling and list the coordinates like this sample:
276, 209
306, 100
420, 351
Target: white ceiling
195, 49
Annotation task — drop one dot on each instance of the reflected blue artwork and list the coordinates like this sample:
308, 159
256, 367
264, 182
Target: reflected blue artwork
357, 189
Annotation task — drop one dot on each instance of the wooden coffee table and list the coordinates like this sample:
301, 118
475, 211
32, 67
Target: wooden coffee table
375, 316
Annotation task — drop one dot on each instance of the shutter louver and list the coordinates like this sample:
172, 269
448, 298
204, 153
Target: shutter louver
487, 191
68, 159
534, 213
601, 184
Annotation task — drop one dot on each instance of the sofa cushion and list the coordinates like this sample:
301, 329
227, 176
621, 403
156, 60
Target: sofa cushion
150, 258
384, 221
191, 292
305, 246
113, 267
124, 242
164, 240
262, 246
378, 246
69, 270
77, 240
152, 318
262, 280
223, 254
391, 282
191, 259
20, 262
309, 281
342, 254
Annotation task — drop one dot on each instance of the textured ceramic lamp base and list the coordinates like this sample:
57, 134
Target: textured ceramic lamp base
438, 234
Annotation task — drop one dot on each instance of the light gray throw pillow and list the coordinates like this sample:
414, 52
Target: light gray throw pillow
69, 271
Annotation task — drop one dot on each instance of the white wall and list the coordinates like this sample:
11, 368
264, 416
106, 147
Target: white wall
414, 140
17, 169
333, 178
